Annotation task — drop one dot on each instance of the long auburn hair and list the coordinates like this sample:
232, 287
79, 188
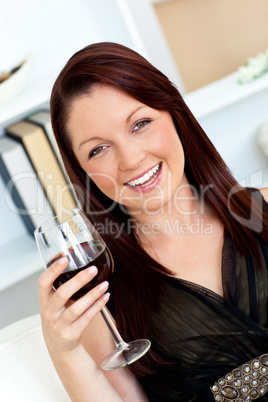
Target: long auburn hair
138, 278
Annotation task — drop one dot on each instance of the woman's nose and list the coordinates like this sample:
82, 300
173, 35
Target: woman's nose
129, 158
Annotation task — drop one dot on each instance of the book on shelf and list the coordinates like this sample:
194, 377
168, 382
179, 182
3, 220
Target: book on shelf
27, 195
43, 119
45, 163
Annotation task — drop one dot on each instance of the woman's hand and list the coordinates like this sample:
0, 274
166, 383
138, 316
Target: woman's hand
63, 321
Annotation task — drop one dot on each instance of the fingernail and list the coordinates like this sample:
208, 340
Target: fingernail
63, 260
106, 296
92, 270
103, 285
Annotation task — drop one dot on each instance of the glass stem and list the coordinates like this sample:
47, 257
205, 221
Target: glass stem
120, 343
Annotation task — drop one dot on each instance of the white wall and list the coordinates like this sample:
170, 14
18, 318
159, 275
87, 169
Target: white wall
19, 301
51, 30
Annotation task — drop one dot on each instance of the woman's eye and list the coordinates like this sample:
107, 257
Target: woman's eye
141, 124
96, 151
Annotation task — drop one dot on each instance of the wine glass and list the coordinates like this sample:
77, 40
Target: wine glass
72, 235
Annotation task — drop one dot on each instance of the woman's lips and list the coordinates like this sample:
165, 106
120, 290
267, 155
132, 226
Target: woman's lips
147, 181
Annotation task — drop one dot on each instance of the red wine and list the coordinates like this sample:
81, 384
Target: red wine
98, 256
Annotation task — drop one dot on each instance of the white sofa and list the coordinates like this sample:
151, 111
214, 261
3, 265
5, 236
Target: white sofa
26, 371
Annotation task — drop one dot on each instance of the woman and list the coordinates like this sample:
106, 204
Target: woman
189, 244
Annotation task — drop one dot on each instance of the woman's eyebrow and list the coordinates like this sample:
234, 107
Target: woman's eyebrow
99, 138
133, 112
88, 140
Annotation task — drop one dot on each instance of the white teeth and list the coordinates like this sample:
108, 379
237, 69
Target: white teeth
141, 180
147, 176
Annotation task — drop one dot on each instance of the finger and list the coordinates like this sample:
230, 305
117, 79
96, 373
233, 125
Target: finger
45, 283
83, 321
69, 288
88, 301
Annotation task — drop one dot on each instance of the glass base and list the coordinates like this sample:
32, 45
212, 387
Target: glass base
126, 355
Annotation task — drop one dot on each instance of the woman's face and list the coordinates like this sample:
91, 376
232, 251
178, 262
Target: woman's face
131, 151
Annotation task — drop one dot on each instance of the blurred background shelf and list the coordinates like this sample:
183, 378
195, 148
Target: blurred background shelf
222, 93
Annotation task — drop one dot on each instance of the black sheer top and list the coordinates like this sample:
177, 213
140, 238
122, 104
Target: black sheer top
204, 335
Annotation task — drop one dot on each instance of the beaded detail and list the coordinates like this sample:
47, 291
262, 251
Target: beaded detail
245, 383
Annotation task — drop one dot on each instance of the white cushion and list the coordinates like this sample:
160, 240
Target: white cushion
26, 370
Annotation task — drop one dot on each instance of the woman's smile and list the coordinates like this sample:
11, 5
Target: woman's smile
146, 181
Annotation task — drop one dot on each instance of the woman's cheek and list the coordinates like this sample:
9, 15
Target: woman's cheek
106, 183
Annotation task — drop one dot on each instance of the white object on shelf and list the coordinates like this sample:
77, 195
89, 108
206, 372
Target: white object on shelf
254, 68
262, 138
13, 85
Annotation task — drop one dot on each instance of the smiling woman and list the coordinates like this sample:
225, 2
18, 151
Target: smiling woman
150, 180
